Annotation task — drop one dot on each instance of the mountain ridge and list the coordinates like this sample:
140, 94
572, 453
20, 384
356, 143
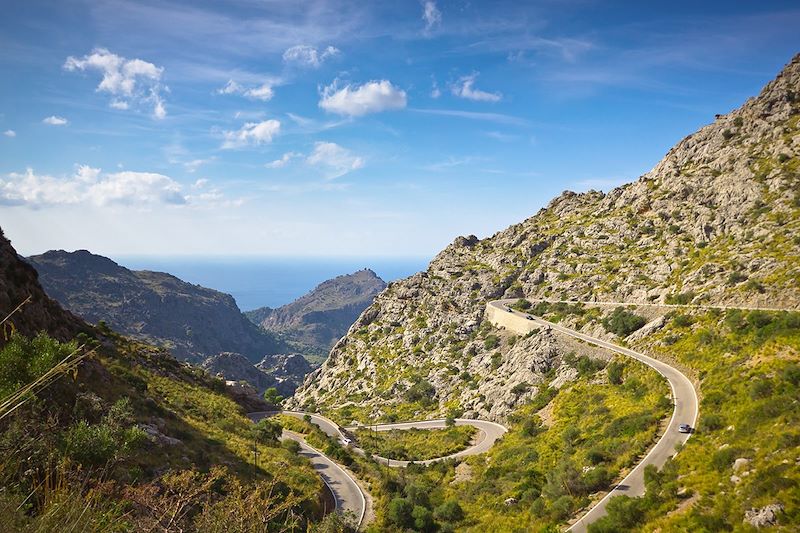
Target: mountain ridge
711, 222
193, 321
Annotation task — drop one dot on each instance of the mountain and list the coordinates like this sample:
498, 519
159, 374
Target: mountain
18, 282
285, 372
314, 322
129, 432
716, 221
192, 321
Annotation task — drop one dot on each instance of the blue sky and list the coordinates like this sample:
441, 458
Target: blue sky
326, 128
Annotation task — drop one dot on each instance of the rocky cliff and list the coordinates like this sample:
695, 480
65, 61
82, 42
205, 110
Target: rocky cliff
314, 322
717, 220
18, 282
192, 321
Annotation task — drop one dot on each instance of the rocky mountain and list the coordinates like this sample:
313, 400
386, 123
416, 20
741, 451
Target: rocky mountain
18, 282
285, 372
192, 321
314, 322
717, 220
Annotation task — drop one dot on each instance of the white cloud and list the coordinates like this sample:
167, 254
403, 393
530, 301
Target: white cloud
431, 15
194, 164
372, 97
309, 56
10, 133
464, 88
336, 160
263, 92
54, 120
90, 186
252, 133
284, 160
435, 91
128, 80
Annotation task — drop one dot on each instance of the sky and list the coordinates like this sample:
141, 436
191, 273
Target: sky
335, 128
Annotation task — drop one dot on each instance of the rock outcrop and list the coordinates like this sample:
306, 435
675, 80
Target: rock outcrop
314, 322
192, 321
18, 282
715, 221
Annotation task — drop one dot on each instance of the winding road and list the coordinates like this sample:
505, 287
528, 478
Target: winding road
347, 494
684, 398
350, 498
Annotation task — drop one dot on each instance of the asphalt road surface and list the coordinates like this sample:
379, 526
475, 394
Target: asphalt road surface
685, 412
346, 493
489, 433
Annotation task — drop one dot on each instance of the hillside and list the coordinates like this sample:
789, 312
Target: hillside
192, 321
18, 282
131, 439
715, 221
314, 322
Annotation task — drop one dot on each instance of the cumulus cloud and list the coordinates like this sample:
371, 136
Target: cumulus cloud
358, 100
335, 160
129, 81
54, 120
431, 15
252, 133
89, 186
465, 88
284, 160
263, 92
10, 133
309, 56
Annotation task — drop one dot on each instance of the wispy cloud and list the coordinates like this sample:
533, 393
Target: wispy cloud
264, 91
308, 56
431, 15
358, 100
251, 134
472, 115
335, 160
284, 160
127, 80
54, 120
10, 133
465, 88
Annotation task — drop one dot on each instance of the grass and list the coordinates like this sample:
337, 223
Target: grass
416, 444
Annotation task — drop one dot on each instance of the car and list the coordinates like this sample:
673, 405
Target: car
346, 441
529, 317
509, 310
685, 428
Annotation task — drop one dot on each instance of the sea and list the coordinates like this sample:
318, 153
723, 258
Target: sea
272, 281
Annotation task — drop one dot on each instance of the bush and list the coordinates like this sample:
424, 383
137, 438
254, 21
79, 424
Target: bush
683, 321
683, 298
421, 391
24, 360
622, 323
711, 422
291, 445
423, 518
399, 512
491, 342
449, 511
615, 371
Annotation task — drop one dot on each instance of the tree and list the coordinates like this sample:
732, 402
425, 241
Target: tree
399, 512
423, 518
267, 431
449, 511
615, 373
271, 396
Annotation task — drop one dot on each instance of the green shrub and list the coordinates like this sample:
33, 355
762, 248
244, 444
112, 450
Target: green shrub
421, 391
23, 360
491, 342
615, 370
449, 511
399, 512
622, 323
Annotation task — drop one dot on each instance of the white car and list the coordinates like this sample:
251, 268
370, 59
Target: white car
346, 442
684, 428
